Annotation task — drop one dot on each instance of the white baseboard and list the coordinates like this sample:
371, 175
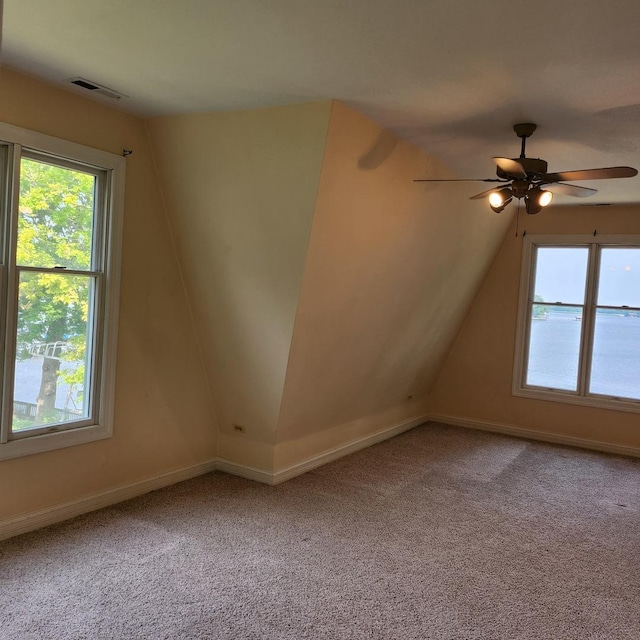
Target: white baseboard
277, 477
345, 449
38, 519
45, 517
530, 434
259, 475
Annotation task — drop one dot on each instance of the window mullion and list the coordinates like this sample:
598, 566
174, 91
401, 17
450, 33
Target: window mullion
586, 340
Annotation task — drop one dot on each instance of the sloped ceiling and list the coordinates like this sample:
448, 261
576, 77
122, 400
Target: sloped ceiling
450, 76
240, 191
390, 274
326, 289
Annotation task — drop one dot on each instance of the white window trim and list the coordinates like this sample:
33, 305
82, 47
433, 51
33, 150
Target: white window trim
115, 166
522, 331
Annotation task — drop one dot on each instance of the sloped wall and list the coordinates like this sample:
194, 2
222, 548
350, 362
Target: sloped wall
241, 189
163, 416
391, 270
475, 383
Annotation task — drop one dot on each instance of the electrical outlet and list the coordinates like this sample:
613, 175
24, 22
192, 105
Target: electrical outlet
239, 428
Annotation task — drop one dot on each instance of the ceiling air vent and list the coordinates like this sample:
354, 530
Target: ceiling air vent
96, 88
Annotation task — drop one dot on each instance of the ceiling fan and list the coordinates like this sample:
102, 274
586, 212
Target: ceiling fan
528, 178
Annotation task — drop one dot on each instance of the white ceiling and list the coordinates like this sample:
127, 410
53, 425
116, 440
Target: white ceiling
452, 76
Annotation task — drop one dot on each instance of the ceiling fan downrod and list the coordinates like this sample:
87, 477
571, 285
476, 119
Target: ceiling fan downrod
523, 131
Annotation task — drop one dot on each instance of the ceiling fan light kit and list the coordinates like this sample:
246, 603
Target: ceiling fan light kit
537, 198
498, 200
527, 178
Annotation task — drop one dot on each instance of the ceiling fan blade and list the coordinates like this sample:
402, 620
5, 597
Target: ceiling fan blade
460, 180
569, 189
478, 196
592, 174
511, 167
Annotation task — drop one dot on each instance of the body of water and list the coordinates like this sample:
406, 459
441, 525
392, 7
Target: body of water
554, 352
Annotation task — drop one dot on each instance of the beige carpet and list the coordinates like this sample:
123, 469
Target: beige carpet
440, 533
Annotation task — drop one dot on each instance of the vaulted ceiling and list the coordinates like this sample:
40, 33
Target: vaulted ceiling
452, 76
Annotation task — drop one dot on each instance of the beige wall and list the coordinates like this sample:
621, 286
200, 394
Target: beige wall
326, 290
163, 416
240, 190
391, 269
475, 383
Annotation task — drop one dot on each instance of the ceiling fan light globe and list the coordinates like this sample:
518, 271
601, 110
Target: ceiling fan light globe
498, 200
495, 199
545, 198
536, 199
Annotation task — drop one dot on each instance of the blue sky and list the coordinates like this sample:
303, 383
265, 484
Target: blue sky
561, 275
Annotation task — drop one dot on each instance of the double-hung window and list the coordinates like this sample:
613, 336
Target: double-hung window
60, 226
579, 321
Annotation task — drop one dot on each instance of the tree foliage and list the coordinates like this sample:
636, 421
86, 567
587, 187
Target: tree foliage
539, 311
55, 217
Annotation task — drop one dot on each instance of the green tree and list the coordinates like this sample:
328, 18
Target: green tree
54, 231
539, 311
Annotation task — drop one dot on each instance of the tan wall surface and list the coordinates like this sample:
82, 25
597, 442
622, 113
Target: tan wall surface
163, 415
391, 269
240, 189
475, 383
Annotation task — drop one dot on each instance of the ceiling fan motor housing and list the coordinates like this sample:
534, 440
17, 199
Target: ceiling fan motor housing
535, 168
519, 188
525, 129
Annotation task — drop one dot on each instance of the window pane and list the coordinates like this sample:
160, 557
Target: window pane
561, 274
554, 345
55, 216
53, 355
619, 282
616, 356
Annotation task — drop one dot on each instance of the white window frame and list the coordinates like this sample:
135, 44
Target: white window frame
581, 396
110, 238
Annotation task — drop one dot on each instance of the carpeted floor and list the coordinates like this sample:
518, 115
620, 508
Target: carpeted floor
440, 533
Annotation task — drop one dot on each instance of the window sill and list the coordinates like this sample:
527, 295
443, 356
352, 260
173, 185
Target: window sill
51, 441
597, 402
